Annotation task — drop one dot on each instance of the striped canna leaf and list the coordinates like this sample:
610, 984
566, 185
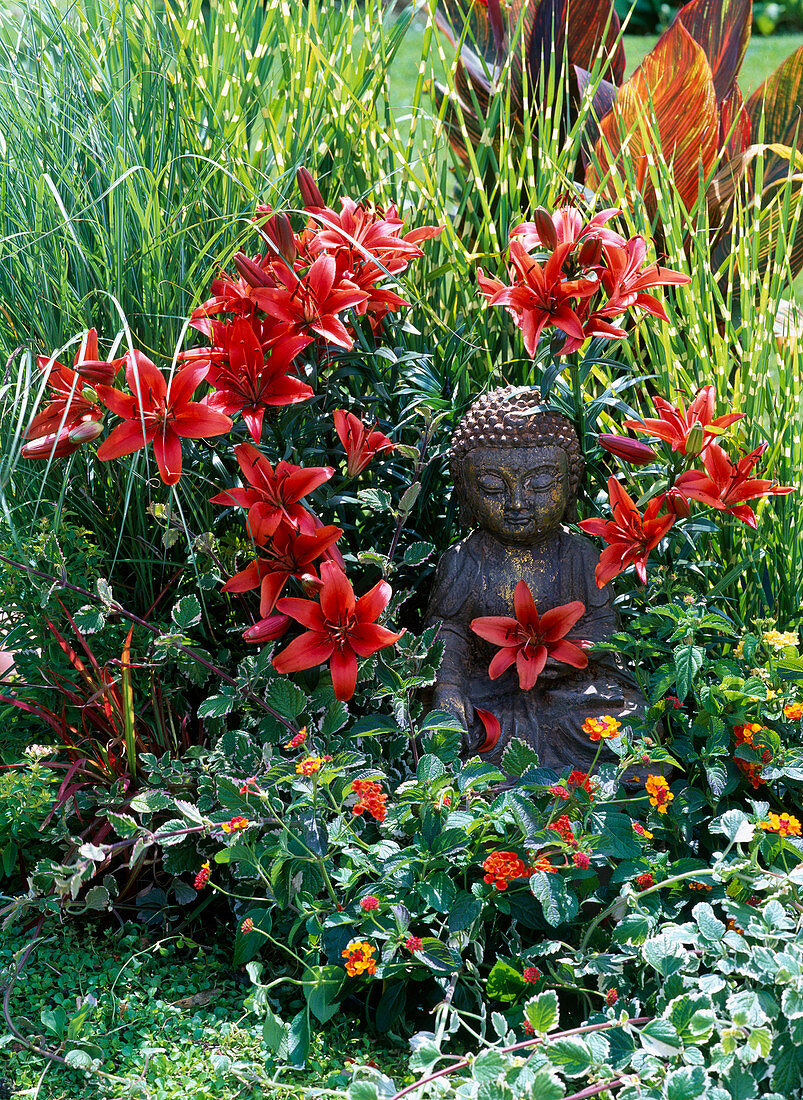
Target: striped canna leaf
667, 108
722, 28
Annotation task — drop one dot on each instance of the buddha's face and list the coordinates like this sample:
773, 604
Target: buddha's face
516, 494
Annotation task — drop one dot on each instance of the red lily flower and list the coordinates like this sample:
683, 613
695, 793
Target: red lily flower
290, 554
339, 629
72, 404
360, 443
675, 424
529, 639
627, 277
161, 413
248, 382
273, 496
568, 228
725, 486
631, 535
538, 297
311, 302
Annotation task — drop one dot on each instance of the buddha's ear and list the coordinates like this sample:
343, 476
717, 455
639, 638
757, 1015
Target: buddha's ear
571, 514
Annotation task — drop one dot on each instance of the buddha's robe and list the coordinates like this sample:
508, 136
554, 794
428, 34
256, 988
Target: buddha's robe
477, 577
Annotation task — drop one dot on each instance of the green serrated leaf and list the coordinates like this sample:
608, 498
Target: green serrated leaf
217, 706
558, 902
438, 891
418, 552
688, 662
710, 926
287, 698
186, 613
542, 1011
518, 757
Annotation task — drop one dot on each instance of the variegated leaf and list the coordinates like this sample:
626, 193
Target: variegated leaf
671, 98
722, 28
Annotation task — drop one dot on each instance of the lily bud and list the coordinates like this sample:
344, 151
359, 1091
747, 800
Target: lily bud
311, 584
695, 439
86, 432
630, 450
253, 274
590, 252
677, 504
545, 227
94, 370
53, 445
310, 195
268, 629
281, 233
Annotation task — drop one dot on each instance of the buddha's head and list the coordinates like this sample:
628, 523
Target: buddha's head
516, 466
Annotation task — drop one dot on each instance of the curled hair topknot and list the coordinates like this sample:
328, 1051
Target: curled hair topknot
513, 416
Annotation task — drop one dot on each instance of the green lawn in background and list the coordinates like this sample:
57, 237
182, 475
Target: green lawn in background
763, 55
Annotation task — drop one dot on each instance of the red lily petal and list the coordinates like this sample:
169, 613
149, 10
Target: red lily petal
558, 621
568, 654
337, 595
524, 606
529, 665
367, 638
167, 451
125, 439
344, 674
306, 612
497, 629
370, 606
493, 730
306, 651
502, 661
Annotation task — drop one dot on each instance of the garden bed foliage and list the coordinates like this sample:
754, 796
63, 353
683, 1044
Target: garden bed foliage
244, 305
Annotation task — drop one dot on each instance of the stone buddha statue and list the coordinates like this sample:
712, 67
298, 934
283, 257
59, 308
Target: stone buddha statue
516, 469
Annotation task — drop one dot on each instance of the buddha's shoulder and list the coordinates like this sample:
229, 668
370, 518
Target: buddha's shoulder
467, 554
577, 548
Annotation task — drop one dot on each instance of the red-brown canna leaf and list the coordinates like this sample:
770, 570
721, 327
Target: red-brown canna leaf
722, 28
593, 28
673, 86
734, 124
776, 104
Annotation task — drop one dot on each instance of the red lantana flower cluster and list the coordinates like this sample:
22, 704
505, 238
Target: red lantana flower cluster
583, 781
563, 827
370, 799
575, 277
744, 735
501, 868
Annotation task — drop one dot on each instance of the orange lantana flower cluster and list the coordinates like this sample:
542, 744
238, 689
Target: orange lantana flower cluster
751, 768
602, 728
235, 824
359, 960
782, 824
501, 868
659, 792
793, 711
371, 799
